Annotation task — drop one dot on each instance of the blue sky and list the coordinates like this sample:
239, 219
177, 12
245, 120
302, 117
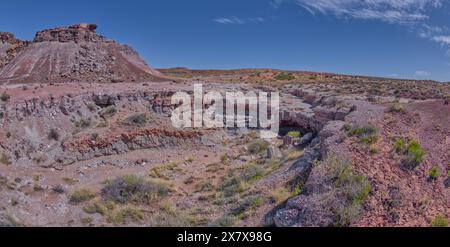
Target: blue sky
389, 38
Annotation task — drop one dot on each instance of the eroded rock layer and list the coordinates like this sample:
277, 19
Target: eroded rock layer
71, 54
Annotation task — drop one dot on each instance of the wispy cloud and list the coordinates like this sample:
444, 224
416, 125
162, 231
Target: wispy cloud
276, 3
422, 73
415, 14
444, 40
391, 11
237, 20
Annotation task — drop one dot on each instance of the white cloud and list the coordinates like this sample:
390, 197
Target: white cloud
236, 20
422, 73
412, 13
276, 3
391, 11
444, 40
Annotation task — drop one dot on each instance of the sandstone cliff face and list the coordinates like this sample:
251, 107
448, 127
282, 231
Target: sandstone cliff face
71, 54
9, 47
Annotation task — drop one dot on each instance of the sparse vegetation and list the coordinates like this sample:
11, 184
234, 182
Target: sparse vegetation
53, 135
169, 217
367, 134
205, 186
440, 221
294, 134
4, 97
280, 195
83, 123
165, 171
5, 159
108, 111
126, 215
414, 154
285, 77
135, 189
434, 173
225, 221
248, 204
399, 145
82, 195
258, 147
355, 187
396, 108
70, 181
137, 120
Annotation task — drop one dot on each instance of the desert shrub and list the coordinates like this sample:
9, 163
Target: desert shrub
82, 195
126, 215
4, 97
399, 145
205, 186
396, 108
367, 134
224, 159
83, 123
9, 221
189, 159
5, 159
414, 154
440, 221
248, 204
137, 119
91, 107
434, 173
135, 189
294, 134
280, 195
108, 111
164, 171
53, 135
96, 208
58, 189
354, 187
232, 185
225, 221
252, 172
258, 147
169, 217
70, 181
285, 77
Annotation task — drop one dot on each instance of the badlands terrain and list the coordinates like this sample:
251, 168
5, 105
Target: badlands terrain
86, 139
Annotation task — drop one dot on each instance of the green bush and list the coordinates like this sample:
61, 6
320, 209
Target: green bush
355, 187
439, 221
285, 77
414, 154
294, 134
399, 145
434, 173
